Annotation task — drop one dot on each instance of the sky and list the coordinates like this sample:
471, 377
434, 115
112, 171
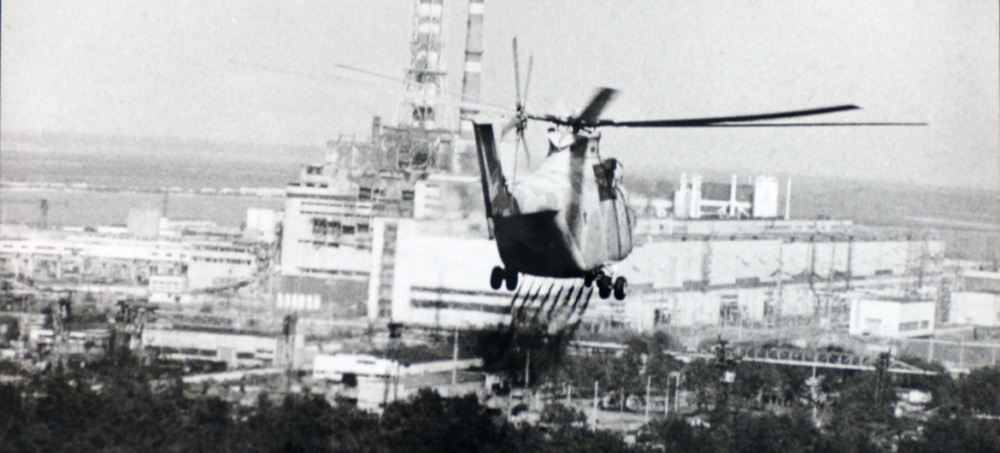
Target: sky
269, 72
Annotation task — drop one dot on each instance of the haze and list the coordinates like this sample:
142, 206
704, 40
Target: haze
194, 70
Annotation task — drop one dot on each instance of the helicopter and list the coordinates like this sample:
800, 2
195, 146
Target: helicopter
569, 218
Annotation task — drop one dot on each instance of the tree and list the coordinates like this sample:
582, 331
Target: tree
561, 417
702, 378
859, 422
950, 433
431, 423
979, 391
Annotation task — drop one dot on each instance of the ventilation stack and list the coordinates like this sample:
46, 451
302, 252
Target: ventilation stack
473, 65
425, 77
464, 162
788, 200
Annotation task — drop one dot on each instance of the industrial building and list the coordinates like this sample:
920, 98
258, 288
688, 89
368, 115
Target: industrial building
695, 198
375, 382
172, 265
892, 317
676, 281
976, 300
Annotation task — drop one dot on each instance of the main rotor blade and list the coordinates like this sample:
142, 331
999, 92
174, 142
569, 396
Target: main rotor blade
446, 97
527, 81
517, 74
524, 143
596, 105
713, 121
791, 125
508, 126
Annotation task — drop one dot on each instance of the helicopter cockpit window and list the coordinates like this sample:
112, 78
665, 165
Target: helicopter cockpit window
604, 173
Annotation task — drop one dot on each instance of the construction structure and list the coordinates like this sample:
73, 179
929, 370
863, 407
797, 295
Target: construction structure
695, 198
401, 171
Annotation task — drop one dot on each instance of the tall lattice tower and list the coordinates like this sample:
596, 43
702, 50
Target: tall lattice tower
422, 106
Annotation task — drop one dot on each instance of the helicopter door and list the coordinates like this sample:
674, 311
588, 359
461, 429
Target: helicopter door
608, 189
624, 218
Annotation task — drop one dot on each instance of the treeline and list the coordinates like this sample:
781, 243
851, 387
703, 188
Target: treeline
71, 412
115, 406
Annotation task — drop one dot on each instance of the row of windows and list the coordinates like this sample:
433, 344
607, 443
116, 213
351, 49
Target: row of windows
201, 352
337, 272
348, 206
465, 306
220, 260
219, 248
914, 325
335, 244
322, 197
323, 227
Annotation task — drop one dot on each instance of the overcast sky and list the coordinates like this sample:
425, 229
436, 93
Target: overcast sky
191, 69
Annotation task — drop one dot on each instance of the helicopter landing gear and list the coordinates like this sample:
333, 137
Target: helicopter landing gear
620, 286
499, 277
496, 277
604, 286
510, 277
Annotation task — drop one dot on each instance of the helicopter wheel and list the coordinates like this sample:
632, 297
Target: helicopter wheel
621, 285
497, 277
604, 287
510, 277
588, 280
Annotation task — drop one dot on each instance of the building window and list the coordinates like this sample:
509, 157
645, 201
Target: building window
908, 326
661, 318
729, 310
319, 225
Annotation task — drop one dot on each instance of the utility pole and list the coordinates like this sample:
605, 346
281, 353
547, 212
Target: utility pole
813, 384
454, 363
593, 421
527, 371
666, 400
648, 382
726, 365
677, 391
881, 375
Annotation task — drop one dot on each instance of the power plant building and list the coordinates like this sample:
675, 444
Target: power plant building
675, 282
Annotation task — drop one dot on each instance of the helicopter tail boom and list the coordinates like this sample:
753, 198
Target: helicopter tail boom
495, 195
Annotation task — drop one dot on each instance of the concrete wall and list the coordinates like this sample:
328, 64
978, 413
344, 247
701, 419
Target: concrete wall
233, 348
442, 279
978, 309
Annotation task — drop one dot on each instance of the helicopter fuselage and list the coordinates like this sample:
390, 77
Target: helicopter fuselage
568, 218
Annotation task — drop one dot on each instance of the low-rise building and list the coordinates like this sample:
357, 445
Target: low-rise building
377, 381
977, 302
891, 317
